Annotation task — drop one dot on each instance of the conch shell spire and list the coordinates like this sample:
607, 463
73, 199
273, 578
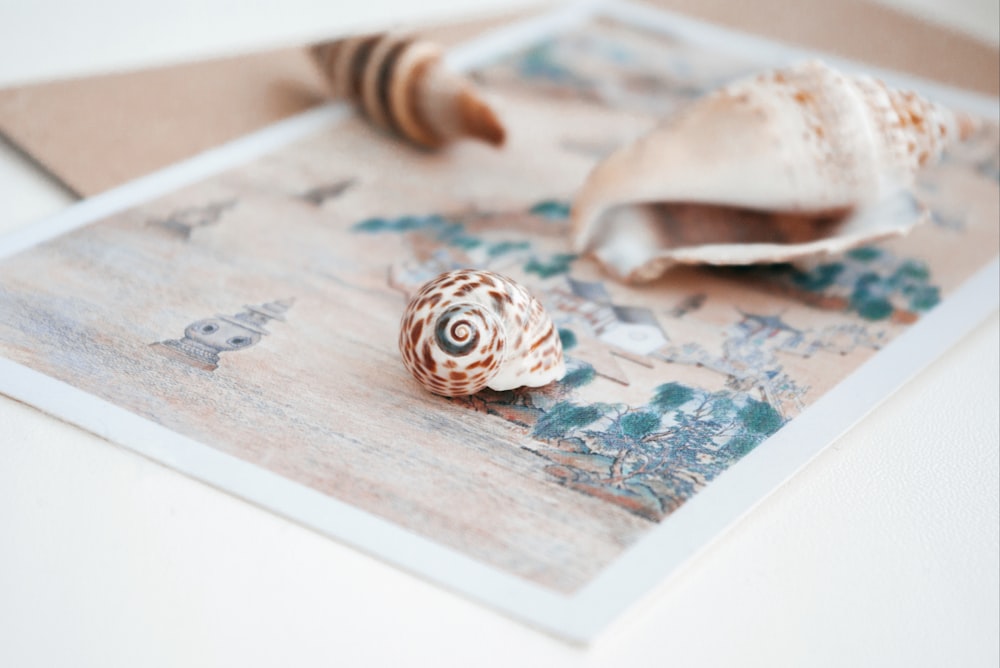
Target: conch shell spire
402, 85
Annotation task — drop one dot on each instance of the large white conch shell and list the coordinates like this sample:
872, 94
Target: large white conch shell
467, 330
812, 160
402, 84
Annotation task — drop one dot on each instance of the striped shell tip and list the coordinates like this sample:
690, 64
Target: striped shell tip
480, 121
401, 84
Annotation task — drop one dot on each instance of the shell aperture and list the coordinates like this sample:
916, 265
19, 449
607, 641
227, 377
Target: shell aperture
467, 330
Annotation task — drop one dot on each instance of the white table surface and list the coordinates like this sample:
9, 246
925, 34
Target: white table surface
885, 551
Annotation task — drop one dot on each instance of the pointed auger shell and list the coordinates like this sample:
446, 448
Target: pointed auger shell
401, 84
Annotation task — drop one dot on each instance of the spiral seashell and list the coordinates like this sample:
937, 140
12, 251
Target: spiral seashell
402, 85
807, 140
467, 330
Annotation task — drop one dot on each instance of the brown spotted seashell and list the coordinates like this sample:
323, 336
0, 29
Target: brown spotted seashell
467, 330
791, 148
402, 85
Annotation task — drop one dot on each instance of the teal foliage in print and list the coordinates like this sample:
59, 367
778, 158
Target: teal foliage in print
551, 266
872, 282
671, 395
448, 231
601, 68
818, 278
565, 417
579, 377
647, 459
553, 209
453, 231
567, 338
504, 247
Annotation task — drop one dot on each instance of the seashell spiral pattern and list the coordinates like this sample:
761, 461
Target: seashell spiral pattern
402, 85
467, 330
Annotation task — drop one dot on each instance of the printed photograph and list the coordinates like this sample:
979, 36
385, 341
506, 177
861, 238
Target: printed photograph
258, 313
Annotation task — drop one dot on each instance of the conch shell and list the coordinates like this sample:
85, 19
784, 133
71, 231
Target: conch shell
791, 163
401, 84
467, 330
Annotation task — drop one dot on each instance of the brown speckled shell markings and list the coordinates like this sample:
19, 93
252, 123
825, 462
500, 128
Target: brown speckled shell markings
467, 330
402, 85
806, 139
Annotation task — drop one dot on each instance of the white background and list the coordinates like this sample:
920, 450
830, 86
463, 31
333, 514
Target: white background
884, 551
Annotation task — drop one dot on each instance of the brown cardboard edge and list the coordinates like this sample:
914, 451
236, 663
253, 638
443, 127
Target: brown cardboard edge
94, 133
